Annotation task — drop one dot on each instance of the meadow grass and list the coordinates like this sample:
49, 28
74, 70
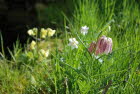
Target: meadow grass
76, 71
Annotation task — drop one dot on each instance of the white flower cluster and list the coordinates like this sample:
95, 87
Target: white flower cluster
73, 42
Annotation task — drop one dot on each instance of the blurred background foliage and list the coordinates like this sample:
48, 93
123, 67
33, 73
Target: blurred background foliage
17, 16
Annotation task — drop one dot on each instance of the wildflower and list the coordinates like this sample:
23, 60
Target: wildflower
62, 59
31, 32
92, 47
100, 60
104, 45
35, 31
84, 30
73, 43
44, 53
32, 46
50, 32
43, 33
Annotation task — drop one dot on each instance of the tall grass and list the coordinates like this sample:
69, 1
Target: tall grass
77, 71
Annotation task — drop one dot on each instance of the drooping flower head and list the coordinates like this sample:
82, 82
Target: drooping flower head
73, 43
103, 45
92, 47
84, 30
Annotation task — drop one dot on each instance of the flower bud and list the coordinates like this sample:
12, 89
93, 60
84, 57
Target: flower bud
92, 47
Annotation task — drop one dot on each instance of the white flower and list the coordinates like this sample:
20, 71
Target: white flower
62, 59
100, 60
73, 43
96, 56
84, 30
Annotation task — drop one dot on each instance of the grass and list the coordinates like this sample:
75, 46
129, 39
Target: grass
76, 71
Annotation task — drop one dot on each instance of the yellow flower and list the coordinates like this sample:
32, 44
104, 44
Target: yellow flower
32, 46
35, 31
31, 32
44, 53
50, 32
43, 33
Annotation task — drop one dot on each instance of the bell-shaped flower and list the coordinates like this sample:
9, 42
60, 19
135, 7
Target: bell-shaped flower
92, 47
104, 45
73, 43
84, 30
